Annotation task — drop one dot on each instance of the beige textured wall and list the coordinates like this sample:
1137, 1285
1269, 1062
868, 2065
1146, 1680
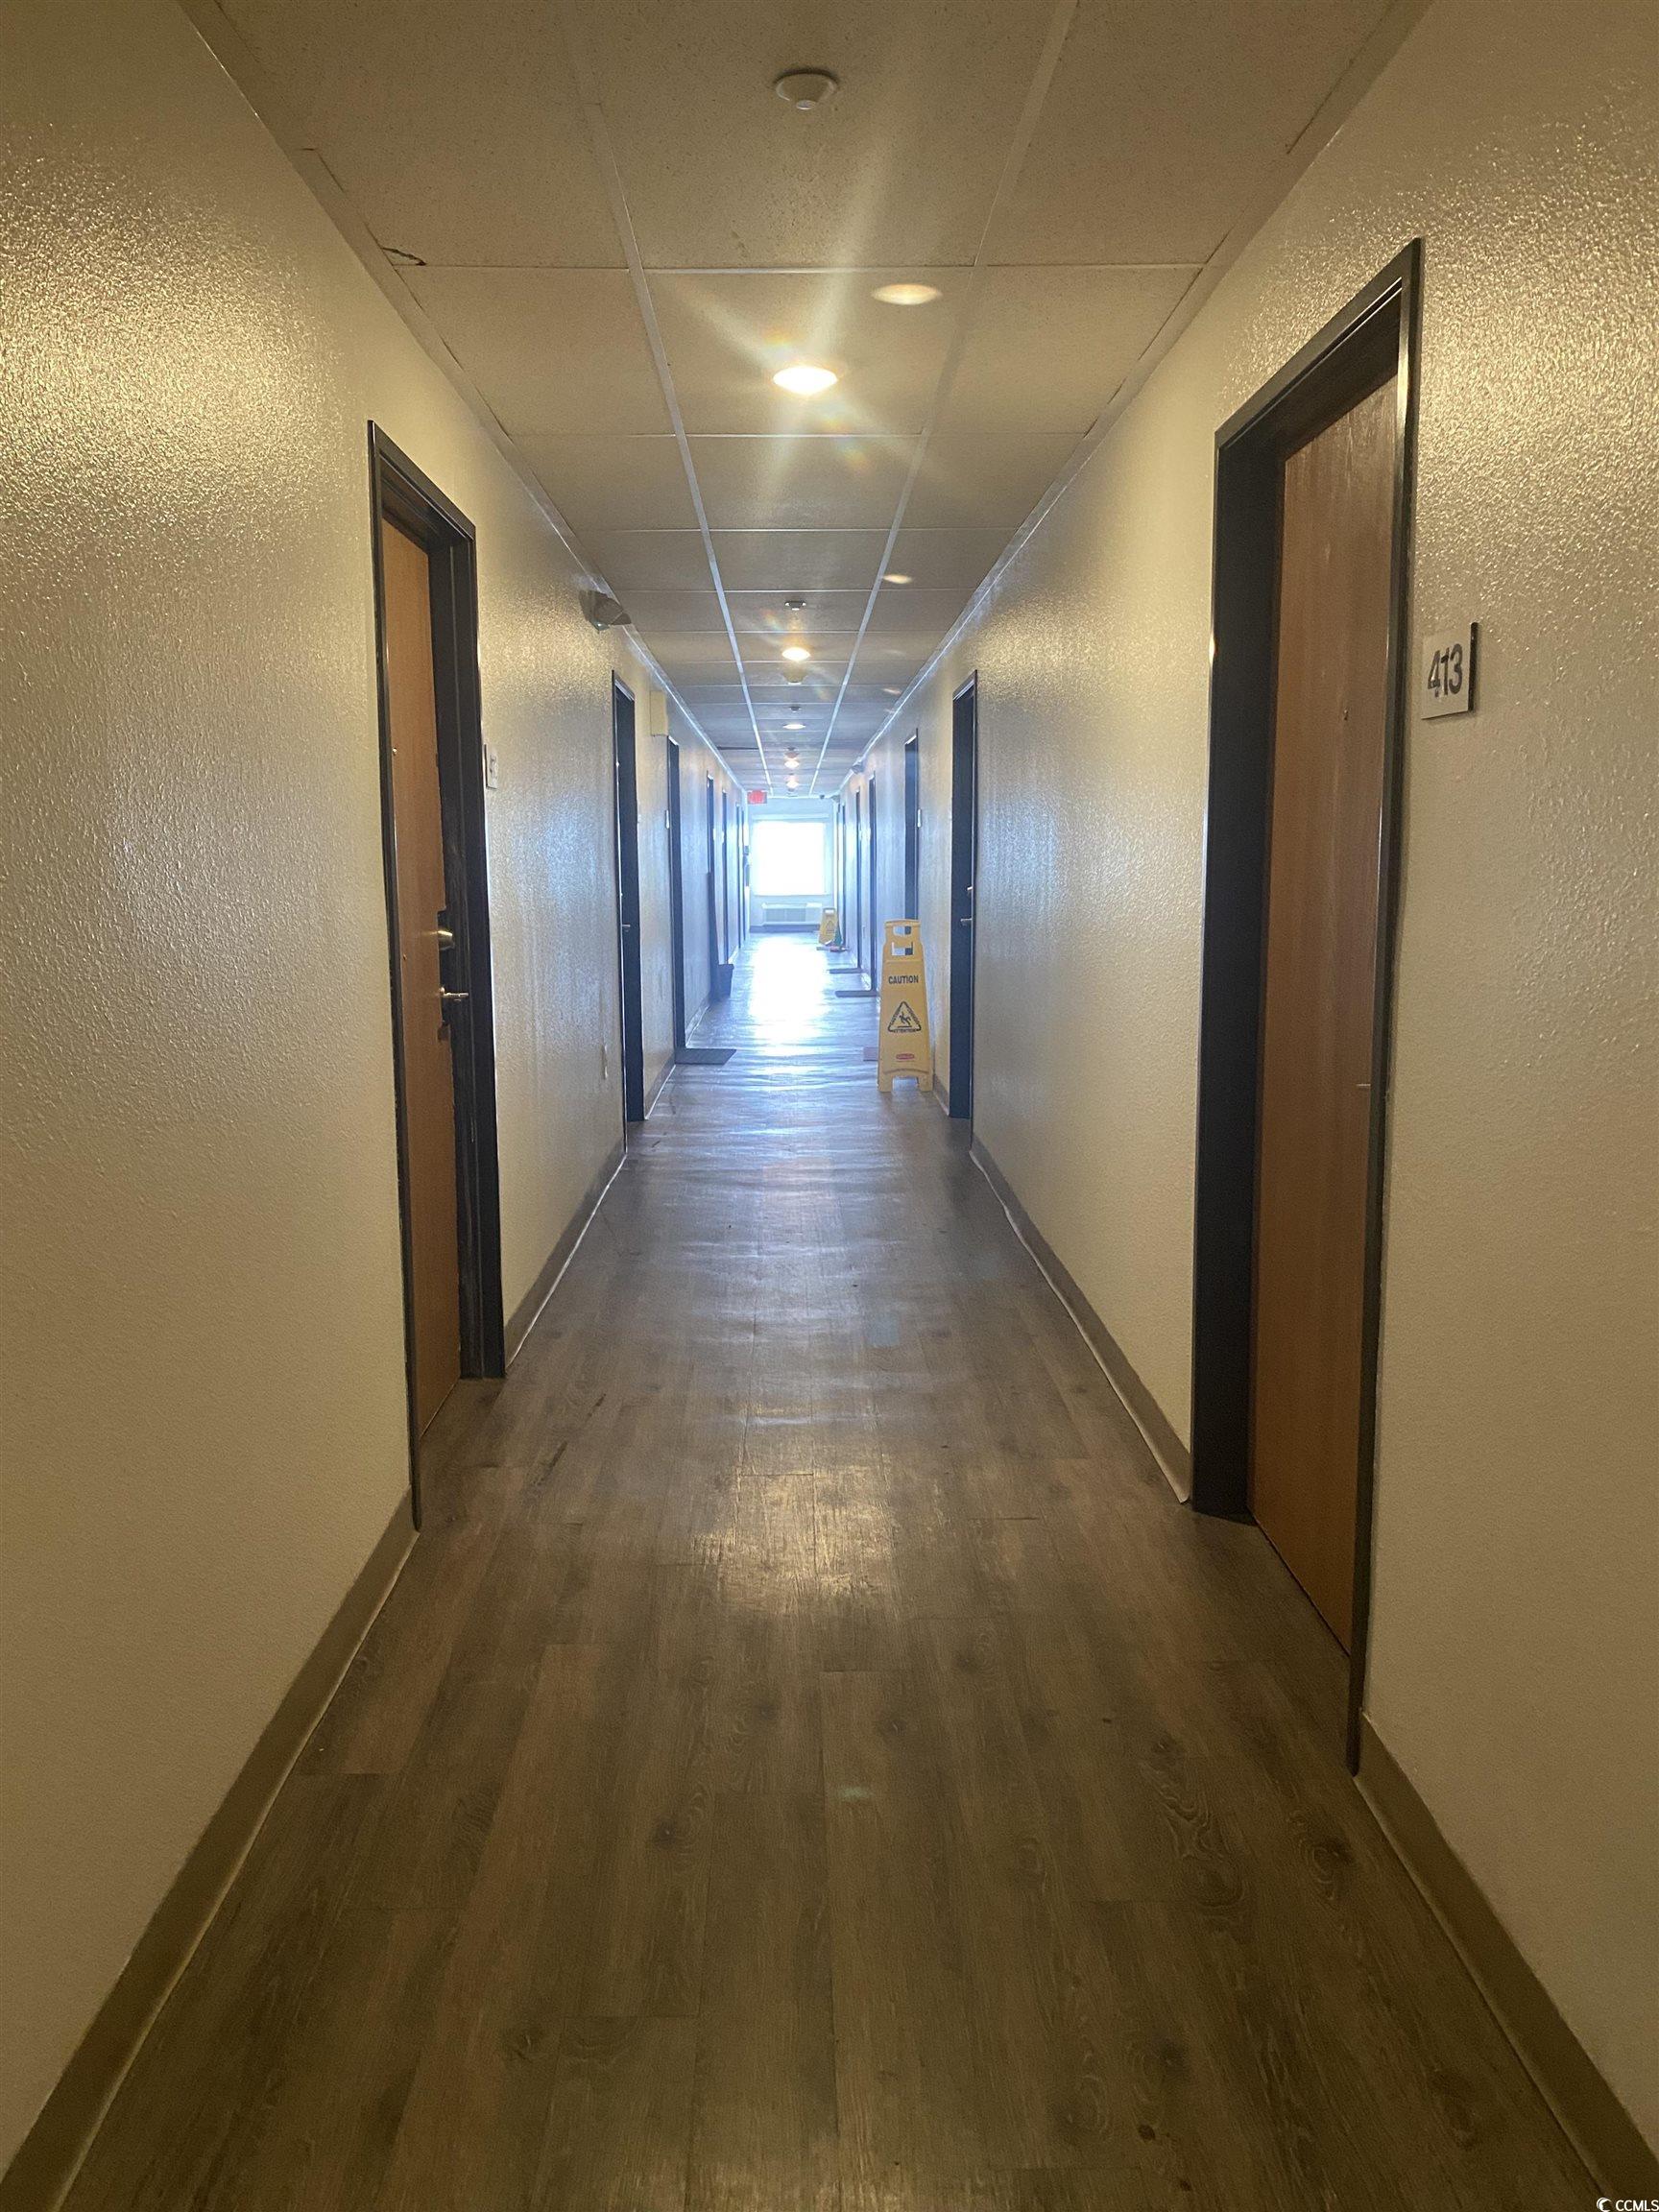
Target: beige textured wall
202, 1424
1516, 1646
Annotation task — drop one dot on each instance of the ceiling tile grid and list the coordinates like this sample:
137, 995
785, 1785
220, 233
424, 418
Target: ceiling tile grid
562, 182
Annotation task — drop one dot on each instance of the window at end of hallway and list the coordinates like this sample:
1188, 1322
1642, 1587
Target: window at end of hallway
789, 860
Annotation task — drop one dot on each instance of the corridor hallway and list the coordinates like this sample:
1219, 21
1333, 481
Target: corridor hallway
811, 1760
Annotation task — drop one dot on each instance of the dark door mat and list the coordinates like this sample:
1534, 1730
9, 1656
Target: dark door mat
704, 1055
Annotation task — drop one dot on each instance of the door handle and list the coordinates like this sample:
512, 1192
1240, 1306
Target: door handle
446, 937
454, 998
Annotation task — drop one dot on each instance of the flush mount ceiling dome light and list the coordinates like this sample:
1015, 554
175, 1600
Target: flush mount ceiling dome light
906, 295
804, 89
797, 653
794, 724
893, 577
805, 378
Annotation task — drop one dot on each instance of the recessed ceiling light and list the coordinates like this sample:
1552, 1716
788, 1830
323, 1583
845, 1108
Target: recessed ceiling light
794, 724
906, 295
891, 690
893, 577
804, 378
795, 606
792, 782
797, 652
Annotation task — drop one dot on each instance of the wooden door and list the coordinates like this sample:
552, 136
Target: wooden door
428, 1067
1319, 998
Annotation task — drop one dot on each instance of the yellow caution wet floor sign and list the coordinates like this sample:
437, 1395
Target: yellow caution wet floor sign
906, 1045
829, 926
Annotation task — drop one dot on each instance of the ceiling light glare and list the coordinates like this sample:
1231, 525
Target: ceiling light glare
797, 652
804, 379
906, 295
794, 724
792, 782
893, 577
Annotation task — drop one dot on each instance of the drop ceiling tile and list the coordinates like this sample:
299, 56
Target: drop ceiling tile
794, 562
765, 672
883, 663
913, 611
654, 560
724, 335
1049, 347
900, 166
875, 698
614, 483
802, 483
555, 352
813, 689
709, 657
674, 614
826, 614
941, 559
1162, 123
976, 483
455, 131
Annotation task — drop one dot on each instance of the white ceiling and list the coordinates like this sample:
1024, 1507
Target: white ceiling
619, 275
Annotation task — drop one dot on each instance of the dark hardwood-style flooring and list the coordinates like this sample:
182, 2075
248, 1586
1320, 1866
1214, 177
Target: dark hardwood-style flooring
811, 1761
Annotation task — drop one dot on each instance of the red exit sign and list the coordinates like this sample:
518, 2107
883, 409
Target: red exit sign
757, 798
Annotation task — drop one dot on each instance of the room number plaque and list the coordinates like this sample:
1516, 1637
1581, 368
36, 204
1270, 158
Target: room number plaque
1448, 682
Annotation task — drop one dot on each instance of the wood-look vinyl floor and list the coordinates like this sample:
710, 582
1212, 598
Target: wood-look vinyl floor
812, 1764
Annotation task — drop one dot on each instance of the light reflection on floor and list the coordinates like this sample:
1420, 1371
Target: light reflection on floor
787, 984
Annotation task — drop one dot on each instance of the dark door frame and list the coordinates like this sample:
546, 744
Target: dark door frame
713, 909
841, 915
859, 877
726, 872
913, 825
1373, 339
964, 877
399, 492
625, 762
875, 884
676, 894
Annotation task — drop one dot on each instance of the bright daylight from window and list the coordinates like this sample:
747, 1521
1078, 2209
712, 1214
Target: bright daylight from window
788, 860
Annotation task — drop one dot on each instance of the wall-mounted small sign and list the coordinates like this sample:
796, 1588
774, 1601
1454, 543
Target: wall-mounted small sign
757, 798
1448, 681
